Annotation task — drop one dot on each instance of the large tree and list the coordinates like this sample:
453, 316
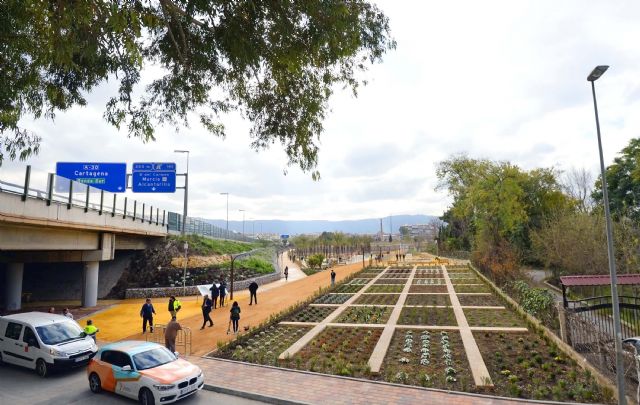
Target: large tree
276, 61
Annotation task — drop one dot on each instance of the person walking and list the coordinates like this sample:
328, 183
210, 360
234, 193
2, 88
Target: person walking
67, 313
146, 312
333, 278
223, 292
215, 292
91, 330
286, 273
234, 317
206, 310
253, 289
174, 306
170, 334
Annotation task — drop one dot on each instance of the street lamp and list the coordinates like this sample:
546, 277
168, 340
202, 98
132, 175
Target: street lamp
593, 76
184, 273
186, 190
227, 194
243, 211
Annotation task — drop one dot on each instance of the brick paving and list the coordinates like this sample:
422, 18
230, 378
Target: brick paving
277, 385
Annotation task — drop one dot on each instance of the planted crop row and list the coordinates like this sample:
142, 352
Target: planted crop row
310, 314
428, 281
384, 289
427, 316
333, 298
365, 315
348, 288
428, 299
378, 299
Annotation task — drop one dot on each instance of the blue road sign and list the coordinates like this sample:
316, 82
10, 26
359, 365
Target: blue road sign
154, 177
284, 236
104, 176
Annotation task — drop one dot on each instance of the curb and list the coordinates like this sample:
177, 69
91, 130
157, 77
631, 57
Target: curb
252, 396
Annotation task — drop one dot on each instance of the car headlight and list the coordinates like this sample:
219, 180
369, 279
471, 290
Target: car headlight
57, 353
164, 387
200, 374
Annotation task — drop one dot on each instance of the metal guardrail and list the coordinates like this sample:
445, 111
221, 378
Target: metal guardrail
183, 339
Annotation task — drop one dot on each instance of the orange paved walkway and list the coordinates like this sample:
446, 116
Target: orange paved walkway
123, 321
278, 385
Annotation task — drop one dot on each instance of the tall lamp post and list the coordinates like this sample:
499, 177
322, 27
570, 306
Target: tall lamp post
184, 273
186, 190
593, 76
227, 194
243, 211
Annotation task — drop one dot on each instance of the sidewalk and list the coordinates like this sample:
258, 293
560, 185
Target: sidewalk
283, 386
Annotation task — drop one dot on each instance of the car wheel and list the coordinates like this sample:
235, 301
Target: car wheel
41, 368
1, 359
94, 383
146, 397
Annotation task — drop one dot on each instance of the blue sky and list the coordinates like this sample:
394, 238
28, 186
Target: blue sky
503, 80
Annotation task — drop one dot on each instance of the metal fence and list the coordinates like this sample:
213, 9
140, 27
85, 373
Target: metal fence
183, 339
202, 227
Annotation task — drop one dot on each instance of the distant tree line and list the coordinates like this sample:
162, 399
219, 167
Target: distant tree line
330, 244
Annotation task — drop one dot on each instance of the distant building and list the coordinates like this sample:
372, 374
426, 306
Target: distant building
421, 231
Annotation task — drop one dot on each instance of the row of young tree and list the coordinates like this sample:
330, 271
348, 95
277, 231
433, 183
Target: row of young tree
507, 216
330, 244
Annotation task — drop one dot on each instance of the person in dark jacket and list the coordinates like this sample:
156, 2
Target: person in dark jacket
253, 288
234, 317
215, 292
206, 310
223, 292
286, 273
333, 278
146, 312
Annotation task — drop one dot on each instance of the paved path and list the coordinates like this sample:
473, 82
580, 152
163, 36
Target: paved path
295, 387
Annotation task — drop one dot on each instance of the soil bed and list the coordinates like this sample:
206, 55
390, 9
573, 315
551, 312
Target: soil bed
493, 317
472, 289
379, 299
427, 316
404, 367
525, 365
428, 281
480, 300
347, 288
395, 275
428, 289
310, 314
373, 314
400, 281
425, 299
332, 299
384, 289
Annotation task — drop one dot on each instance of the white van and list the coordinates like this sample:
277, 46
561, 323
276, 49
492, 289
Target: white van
44, 342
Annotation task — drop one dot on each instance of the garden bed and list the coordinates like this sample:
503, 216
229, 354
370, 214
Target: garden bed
480, 300
427, 299
423, 358
384, 289
472, 288
332, 299
400, 281
420, 274
396, 275
428, 281
493, 317
457, 281
262, 347
428, 289
359, 281
371, 315
427, 316
310, 314
348, 288
394, 270
378, 299
341, 351
526, 365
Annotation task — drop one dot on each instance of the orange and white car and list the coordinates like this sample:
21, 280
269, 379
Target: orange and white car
145, 371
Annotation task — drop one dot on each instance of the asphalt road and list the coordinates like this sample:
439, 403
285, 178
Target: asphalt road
21, 386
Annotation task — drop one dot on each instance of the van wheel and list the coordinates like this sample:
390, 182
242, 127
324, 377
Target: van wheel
146, 397
94, 383
41, 368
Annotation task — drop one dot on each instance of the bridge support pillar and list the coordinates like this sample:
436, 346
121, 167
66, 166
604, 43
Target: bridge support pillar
13, 286
90, 284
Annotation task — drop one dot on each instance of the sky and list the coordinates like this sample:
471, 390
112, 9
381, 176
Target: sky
503, 80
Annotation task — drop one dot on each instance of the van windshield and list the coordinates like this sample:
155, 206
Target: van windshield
57, 333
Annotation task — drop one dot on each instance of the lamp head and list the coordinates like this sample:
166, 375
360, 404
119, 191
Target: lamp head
597, 72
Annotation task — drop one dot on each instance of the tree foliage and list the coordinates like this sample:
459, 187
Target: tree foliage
277, 62
623, 183
315, 261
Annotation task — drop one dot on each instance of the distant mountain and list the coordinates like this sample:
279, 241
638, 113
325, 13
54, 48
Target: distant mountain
361, 226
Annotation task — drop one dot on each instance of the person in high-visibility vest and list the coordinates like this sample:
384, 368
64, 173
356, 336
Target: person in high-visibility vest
174, 306
91, 330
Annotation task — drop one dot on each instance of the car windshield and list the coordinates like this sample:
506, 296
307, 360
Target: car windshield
153, 358
57, 333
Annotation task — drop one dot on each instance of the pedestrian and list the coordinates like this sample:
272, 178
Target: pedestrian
333, 278
286, 273
67, 313
170, 334
234, 317
146, 312
91, 330
223, 292
215, 292
174, 306
206, 310
52, 310
253, 288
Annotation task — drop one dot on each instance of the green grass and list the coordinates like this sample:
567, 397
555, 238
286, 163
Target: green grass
257, 264
204, 246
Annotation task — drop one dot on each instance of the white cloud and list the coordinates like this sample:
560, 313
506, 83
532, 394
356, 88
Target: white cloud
502, 80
